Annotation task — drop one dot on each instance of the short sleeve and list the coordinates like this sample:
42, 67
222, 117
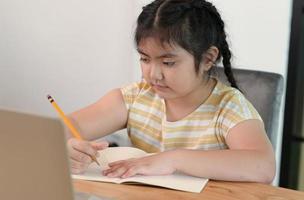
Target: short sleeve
131, 92
234, 110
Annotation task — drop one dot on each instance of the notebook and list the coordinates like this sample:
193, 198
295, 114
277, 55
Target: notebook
175, 181
34, 164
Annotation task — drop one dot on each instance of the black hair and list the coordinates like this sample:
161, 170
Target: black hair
195, 25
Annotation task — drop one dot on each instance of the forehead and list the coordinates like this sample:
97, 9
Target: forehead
151, 45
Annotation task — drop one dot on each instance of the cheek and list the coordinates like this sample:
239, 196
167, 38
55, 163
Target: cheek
182, 82
145, 71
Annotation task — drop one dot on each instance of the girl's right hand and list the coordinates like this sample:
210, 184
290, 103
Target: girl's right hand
80, 152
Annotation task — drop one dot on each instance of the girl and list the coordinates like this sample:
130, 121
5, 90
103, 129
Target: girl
194, 123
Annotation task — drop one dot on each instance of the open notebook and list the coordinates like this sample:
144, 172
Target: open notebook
175, 181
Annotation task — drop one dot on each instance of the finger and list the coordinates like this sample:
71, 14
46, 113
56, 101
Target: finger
130, 172
78, 165
80, 157
118, 172
111, 169
100, 145
83, 146
112, 164
121, 161
77, 171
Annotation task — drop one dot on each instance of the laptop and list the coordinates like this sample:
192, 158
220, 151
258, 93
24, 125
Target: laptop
34, 163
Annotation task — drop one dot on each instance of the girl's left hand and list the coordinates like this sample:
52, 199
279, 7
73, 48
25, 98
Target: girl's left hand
158, 164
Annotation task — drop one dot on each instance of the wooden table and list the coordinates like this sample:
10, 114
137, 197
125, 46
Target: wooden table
215, 190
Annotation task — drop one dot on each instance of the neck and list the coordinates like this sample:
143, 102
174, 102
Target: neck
196, 96
180, 107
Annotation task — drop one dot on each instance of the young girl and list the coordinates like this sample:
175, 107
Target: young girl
194, 123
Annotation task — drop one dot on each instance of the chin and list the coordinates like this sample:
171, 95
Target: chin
164, 96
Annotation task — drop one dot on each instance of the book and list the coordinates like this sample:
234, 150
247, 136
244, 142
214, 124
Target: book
176, 181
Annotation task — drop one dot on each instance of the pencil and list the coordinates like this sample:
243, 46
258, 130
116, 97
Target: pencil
68, 123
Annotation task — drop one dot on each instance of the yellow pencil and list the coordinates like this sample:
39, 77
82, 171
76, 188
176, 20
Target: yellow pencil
68, 123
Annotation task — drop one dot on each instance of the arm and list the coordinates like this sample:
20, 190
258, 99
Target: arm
106, 116
249, 158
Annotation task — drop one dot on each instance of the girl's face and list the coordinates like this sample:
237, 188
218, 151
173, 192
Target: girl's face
170, 70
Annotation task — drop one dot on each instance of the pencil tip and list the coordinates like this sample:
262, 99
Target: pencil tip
95, 160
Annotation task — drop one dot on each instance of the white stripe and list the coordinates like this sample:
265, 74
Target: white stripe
230, 105
148, 109
187, 123
145, 120
207, 108
245, 107
209, 132
203, 147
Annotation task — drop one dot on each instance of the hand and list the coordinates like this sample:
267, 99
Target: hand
158, 164
80, 152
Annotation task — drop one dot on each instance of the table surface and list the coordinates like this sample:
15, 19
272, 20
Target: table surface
214, 190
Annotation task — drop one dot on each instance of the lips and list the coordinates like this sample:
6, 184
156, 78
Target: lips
159, 87
156, 85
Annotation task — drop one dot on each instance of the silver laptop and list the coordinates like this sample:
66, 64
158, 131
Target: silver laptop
33, 156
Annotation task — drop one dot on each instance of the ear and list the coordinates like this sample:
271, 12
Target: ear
209, 58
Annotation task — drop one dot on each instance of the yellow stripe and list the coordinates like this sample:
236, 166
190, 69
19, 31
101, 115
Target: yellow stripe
192, 142
156, 104
197, 140
180, 145
213, 100
232, 116
224, 129
128, 99
188, 128
143, 85
143, 145
202, 116
146, 115
145, 128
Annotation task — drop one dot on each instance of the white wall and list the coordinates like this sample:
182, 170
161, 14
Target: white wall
77, 50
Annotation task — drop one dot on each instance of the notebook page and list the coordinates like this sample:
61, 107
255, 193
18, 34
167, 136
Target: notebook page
175, 181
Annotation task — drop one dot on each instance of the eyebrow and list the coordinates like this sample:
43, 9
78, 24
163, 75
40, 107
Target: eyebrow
166, 55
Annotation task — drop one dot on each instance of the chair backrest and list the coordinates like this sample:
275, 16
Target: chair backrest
264, 90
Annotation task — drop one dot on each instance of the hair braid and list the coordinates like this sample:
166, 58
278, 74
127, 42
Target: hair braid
222, 44
226, 54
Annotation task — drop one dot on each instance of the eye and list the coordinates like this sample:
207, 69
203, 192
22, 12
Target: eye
144, 60
169, 64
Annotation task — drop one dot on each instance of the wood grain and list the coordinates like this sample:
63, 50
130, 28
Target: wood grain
215, 190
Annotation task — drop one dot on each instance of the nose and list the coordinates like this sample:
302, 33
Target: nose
156, 72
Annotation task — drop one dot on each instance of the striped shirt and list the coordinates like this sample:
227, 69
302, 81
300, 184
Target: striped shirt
205, 128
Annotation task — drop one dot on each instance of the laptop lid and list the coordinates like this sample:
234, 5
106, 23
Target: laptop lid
33, 156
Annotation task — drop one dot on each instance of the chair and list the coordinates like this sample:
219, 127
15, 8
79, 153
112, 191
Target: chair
264, 90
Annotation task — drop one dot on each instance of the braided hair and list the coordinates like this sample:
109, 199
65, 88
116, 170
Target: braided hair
195, 25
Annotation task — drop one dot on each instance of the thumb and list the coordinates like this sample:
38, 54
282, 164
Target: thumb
100, 145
